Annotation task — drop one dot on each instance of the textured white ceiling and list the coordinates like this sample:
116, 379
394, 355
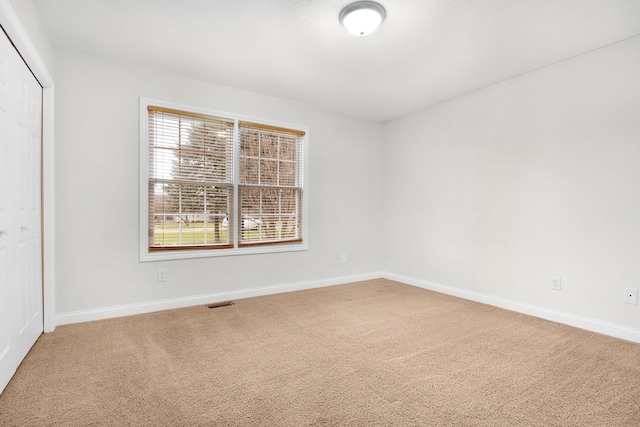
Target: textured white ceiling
425, 51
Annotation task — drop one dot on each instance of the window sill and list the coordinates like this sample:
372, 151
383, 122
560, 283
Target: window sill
149, 256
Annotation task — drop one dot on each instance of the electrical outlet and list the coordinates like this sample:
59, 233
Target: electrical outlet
630, 296
162, 275
344, 258
555, 283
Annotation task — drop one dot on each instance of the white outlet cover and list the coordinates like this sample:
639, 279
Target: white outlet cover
630, 296
555, 283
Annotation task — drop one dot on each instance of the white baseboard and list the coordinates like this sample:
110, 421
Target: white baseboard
148, 307
605, 328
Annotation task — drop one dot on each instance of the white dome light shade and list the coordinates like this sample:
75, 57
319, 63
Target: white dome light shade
362, 17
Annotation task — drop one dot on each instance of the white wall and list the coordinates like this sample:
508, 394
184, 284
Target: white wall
97, 191
496, 191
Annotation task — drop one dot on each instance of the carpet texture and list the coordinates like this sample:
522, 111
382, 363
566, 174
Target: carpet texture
374, 353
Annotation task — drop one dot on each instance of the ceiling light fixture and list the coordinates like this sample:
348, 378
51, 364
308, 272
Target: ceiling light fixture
362, 17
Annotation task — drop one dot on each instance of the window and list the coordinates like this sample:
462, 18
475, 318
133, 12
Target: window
270, 191
213, 184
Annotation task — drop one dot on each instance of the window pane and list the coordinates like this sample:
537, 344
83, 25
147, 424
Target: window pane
270, 214
191, 215
268, 145
287, 174
250, 143
250, 170
288, 148
268, 172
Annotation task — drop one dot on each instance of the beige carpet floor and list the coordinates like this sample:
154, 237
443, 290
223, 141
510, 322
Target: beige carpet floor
375, 353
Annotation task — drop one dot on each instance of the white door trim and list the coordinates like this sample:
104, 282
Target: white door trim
19, 37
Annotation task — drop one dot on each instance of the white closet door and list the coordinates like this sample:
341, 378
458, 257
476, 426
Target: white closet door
20, 210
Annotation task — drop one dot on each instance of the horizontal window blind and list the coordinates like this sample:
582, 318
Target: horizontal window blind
270, 187
190, 180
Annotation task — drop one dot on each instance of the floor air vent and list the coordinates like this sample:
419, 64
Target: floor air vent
220, 304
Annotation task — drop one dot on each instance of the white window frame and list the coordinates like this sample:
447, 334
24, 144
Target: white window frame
147, 255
